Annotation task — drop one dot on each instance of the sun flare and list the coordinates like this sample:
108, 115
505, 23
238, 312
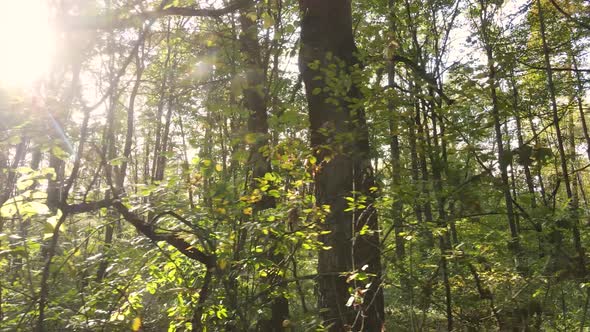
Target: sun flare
27, 42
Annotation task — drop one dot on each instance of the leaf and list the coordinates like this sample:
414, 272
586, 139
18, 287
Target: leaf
252, 16
136, 325
250, 138
350, 301
267, 20
542, 154
8, 210
314, 65
117, 161
506, 157
222, 264
24, 170
524, 153
20, 185
172, 4
59, 152
34, 208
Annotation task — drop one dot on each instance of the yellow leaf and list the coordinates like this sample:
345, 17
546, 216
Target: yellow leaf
222, 264
250, 138
252, 16
248, 211
218, 167
136, 325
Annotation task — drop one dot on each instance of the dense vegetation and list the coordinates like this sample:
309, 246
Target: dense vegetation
405, 165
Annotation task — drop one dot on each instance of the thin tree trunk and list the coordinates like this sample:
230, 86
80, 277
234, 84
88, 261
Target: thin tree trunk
162, 157
554, 109
512, 175
160, 111
514, 244
395, 153
130, 124
255, 103
560, 145
538, 167
579, 95
527, 170
444, 241
109, 151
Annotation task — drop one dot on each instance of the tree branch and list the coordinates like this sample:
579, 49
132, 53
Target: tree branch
582, 70
205, 241
104, 22
172, 239
569, 16
85, 206
421, 72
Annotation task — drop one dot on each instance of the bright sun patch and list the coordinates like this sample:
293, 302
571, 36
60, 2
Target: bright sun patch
26, 40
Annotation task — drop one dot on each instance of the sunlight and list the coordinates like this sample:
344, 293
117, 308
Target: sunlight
27, 42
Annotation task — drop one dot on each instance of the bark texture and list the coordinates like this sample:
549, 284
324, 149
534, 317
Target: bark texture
339, 138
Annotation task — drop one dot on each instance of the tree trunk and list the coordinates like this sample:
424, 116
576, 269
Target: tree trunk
514, 244
579, 95
527, 170
395, 154
560, 145
255, 103
339, 138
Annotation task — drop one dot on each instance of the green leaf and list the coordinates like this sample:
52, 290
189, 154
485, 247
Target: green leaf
60, 153
34, 208
8, 210
267, 20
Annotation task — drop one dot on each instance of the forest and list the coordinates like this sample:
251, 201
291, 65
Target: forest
282, 165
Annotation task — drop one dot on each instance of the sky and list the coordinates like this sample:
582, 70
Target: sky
26, 42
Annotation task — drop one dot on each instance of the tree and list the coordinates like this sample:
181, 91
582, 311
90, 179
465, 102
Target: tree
344, 179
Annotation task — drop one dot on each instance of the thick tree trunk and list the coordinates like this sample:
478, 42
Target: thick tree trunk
339, 138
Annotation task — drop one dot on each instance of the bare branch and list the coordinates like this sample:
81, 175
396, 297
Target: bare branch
85, 206
172, 239
578, 70
147, 229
